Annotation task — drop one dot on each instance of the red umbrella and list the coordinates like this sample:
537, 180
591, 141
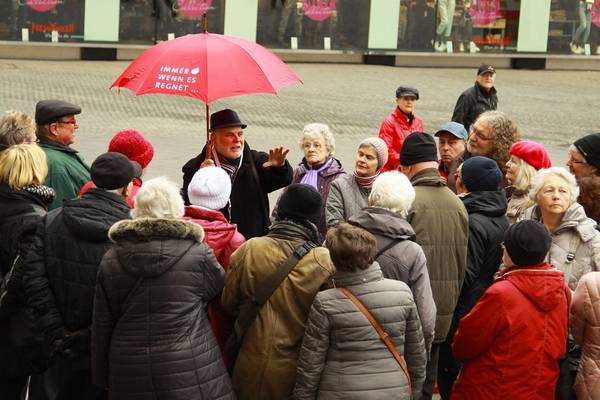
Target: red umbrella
208, 67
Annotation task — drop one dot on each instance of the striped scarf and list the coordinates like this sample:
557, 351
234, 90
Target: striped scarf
366, 182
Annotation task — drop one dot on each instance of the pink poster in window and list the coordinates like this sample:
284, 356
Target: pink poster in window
595, 11
42, 5
484, 12
318, 10
194, 8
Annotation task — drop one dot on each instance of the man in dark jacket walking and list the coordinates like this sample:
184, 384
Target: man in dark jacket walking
60, 273
477, 184
440, 222
254, 174
478, 98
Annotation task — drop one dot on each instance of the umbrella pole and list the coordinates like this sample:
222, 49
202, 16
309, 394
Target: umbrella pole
208, 155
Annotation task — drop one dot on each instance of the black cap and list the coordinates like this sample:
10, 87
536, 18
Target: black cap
589, 147
49, 111
527, 242
224, 119
113, 170
481, 174
407, 91
483, 68
300, 202
418, 147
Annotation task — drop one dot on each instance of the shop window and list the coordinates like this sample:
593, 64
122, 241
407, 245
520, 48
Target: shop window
573, 24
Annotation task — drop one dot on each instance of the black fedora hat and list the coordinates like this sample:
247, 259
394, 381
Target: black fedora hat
225, 118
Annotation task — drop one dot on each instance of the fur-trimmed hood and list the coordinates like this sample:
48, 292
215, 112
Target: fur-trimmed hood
150, 246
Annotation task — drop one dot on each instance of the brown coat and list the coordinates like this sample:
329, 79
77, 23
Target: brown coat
266, 364
585, 326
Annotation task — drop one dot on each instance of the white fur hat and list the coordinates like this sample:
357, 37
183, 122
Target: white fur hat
210, 188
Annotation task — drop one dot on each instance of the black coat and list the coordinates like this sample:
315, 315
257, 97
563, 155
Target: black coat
249, 192
61, 267
473, 102
151, 335
20, 349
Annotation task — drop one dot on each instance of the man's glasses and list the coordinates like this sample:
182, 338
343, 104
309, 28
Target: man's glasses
67, 122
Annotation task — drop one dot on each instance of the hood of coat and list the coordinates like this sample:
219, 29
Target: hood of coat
294, 230
16, 202
542, 284
491, 204
91, 216
217, 230
574, 219
383, 222
371, 274
150, 246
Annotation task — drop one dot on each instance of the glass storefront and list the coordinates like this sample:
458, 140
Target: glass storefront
573, 25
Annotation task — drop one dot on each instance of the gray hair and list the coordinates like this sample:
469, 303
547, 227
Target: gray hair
392, 191
158, 198
524, 178
317, 131
15, 126
543, 174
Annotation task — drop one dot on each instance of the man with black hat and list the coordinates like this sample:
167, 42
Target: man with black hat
61, 268
266, 364
478, 98
254, 174
399, 124
584, 156
440, 222
56, 126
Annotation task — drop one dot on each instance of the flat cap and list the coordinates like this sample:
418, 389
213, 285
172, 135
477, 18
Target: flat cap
48, 111
403, 91
113, 170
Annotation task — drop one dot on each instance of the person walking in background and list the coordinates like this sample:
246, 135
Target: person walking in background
56, 126
16, 127
526, 158
585, 326
477, 185
23, 202
349, 192
319, 168
158, 272
440, 222
399, 257
445, 12
481, 97
342, 355
511, 341
209, 192
60, 274
452, 139
134, 146
254, 174
399, 124
266, 364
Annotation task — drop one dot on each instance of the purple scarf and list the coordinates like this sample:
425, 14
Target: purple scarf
311, 175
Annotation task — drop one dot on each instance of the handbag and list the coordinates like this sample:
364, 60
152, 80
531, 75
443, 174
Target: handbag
382, 334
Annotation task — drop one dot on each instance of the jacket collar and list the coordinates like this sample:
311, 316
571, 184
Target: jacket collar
334, 168
49, 144
152, 227
482, 93
428, 177
407, 120
574, 219
290, 230
371, 274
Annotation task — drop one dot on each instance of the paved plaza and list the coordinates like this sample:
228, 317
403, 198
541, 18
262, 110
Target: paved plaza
554, 107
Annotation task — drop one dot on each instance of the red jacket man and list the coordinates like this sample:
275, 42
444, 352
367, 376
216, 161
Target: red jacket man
399, 124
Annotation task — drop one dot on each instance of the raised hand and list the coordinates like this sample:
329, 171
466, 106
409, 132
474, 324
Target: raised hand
276, 157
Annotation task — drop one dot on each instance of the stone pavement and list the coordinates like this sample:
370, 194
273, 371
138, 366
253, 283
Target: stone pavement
554, 107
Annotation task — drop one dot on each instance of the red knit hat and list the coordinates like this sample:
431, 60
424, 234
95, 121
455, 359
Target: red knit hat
532, 153
133, 145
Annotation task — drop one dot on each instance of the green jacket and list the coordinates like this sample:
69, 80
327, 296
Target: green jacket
67, 172
440, 221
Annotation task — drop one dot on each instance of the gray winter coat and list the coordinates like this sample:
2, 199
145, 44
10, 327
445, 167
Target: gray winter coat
401, 259
577, 234
343, 357
345, 199
151, 338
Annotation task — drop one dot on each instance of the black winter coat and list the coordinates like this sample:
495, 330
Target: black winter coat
151, 336
61, 268
20, 350
473, 102
249, 193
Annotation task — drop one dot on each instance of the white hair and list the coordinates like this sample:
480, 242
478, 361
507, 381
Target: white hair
392, 191
543, 174
525, 176
318, 131
158, 198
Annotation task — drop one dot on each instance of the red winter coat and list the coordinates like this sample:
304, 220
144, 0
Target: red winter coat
394, 129
223, 238
511, 341
137, 184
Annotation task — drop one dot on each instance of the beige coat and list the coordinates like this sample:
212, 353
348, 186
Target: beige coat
585, 326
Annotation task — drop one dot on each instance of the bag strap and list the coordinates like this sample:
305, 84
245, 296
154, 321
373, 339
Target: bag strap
250, 307
382, 334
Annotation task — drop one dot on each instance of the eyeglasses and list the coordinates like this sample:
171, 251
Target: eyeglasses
574, 161
479, 134
67, 122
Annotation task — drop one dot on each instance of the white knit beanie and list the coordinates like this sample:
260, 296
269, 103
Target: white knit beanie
210, 188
